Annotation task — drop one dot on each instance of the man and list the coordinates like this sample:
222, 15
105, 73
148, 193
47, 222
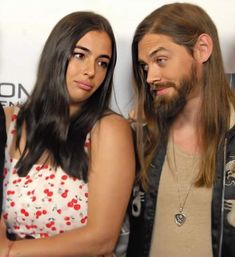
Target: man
184, 199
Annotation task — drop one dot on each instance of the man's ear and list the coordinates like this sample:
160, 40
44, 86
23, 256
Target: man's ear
203, 48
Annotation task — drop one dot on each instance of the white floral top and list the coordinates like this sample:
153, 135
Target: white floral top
45, 202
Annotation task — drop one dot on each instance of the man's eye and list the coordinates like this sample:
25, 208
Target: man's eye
161, 60
143, 66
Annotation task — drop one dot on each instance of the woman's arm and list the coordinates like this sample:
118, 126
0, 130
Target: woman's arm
111, 177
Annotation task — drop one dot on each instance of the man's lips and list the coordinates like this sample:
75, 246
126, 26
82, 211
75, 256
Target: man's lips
159, 90
162, 91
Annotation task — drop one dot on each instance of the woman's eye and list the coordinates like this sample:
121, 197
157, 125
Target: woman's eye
103, 64
79, 55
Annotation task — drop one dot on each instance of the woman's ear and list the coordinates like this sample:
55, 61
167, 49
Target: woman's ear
203, 48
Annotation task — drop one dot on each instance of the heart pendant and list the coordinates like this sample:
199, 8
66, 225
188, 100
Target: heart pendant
180, 218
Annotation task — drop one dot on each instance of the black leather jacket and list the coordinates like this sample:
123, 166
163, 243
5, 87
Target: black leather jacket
142, 206
2, 150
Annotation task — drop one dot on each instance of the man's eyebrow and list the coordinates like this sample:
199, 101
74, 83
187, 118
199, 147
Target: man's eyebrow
87, 50
153, 53
157, 50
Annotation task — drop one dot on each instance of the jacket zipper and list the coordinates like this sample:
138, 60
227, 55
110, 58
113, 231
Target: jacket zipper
222, 205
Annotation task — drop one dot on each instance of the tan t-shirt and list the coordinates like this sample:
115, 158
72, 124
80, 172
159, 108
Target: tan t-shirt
193, 238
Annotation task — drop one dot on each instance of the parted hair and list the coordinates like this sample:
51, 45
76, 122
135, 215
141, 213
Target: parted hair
184, 23
45, 114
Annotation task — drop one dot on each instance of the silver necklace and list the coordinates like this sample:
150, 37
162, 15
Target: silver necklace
180, 216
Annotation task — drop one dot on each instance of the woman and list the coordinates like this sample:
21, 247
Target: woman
65, 143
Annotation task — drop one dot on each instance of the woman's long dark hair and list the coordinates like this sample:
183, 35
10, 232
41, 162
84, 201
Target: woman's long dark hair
45, 115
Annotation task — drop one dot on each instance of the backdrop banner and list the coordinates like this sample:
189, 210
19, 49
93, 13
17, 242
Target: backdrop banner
25, 26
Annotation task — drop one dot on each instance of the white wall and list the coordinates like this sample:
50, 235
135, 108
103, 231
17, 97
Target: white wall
26, 24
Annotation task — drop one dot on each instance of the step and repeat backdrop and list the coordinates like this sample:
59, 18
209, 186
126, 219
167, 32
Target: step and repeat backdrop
26, 24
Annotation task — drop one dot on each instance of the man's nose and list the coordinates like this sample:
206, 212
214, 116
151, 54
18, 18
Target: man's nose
153, 75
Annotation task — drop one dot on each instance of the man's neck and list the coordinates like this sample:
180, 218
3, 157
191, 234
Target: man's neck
185, 129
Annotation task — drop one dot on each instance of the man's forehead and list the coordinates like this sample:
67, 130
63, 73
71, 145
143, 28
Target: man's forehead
154, 38
151, 44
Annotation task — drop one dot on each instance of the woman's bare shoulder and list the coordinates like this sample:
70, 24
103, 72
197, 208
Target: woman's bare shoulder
112, 123
9, 110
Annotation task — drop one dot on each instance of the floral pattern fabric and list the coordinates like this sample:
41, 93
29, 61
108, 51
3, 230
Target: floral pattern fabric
44, 203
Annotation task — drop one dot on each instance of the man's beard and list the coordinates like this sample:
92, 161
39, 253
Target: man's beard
167, 107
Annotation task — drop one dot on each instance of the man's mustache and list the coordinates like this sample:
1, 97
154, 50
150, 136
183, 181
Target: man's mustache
158, 86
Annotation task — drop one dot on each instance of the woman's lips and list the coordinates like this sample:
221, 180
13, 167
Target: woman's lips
84, 85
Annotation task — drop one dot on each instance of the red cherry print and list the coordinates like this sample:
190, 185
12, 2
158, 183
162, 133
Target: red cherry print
13, 117
43, 235
13, 131
50, 193
50, 224
28, 181
22, 211
64, 177
5, 172
87, 144
74, 200
70, 204
64, 195
77, 207
83, 220
38, 214
9, 192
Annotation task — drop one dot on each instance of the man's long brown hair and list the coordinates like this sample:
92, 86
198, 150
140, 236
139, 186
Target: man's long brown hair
184, 23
